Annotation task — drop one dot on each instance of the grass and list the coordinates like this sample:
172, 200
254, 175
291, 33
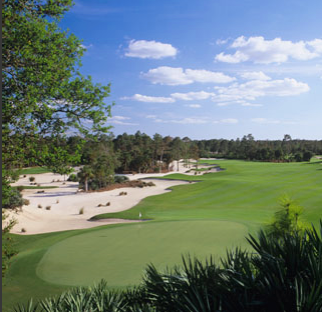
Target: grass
29, 187
245, 191
34, 170
106, 253
212, 214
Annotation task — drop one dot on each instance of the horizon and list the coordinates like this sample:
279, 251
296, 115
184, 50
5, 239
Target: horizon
217, 69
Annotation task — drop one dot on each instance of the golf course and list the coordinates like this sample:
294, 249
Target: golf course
201, 219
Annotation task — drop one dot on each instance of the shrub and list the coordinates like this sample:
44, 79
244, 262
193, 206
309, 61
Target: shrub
120, 179
20, 188
81, 211
26, 202
39, 206
15, 199
23, 230
72, 178
108, 204
48, 207
99, 205
57, 201
24, 175
32, 179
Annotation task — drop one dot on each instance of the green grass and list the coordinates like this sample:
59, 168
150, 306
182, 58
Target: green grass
120, 255
34, 170
239, 199
30, 187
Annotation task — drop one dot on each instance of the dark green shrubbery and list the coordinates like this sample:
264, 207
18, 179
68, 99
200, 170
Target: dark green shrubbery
283, 274
14, 199
72, 178
120, 179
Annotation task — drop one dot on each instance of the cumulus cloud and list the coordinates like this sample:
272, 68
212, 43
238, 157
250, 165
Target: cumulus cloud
258, 88
191, 96
255, 76
149, 99
174, 76
260, 50
150, 49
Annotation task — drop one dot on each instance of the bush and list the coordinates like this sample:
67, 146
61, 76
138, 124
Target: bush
20, 188
26, 202
108, 204
81, 211
48, 207
120, 179
15, 199
23, 230
39, 206
72, 178
32, 179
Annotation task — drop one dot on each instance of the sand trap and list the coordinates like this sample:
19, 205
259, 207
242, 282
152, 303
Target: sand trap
60, 207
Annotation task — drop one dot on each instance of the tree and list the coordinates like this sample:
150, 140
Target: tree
8, 251
43, 92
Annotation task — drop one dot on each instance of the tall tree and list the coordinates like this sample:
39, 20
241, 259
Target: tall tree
44, 94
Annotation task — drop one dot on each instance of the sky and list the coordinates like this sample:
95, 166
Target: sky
206, 69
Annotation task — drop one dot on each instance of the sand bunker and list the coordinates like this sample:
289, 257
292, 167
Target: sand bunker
58, 209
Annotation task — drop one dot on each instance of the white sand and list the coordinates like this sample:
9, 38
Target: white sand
66, 201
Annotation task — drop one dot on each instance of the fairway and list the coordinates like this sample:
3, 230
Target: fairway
120, 255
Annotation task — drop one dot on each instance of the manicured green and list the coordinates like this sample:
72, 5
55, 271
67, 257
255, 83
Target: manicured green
120, 255
245, 194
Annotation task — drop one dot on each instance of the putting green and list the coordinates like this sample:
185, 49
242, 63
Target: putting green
120, 254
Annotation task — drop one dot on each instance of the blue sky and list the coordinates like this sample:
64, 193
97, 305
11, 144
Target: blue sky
208, 68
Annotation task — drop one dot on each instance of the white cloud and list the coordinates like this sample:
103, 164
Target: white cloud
258, 88
255, 76
174, 76
193, 105
201, 75
231, 58
149, 99
316, 44
191, 96
184, 121
150, 49
260, 50
265, 121
121, 120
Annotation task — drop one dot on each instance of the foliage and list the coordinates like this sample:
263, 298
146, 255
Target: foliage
14, 199
8, 251
120, 179
102, 162
44, 93
286, 220
72, 178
